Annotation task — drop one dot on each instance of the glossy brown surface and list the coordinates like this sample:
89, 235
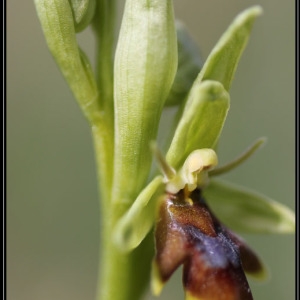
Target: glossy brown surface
213, 257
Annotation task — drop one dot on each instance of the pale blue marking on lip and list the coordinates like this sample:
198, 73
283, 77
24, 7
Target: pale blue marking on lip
218, 251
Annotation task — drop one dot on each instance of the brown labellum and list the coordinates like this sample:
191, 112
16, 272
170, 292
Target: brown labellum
214, 259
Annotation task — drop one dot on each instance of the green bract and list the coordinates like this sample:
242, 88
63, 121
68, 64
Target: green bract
58, 25
145, 66
83, 12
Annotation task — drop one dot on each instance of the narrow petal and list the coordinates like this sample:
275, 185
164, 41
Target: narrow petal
170, 246
170, 240
240, 159
252, 264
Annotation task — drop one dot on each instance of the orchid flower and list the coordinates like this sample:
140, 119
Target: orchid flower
156, 64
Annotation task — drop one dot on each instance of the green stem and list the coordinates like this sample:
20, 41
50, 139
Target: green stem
104, 26
103, 146
122, 275
119, 278
103, 130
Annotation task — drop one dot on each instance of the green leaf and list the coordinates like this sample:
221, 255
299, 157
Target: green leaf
138, 220
58, 26
189, 65
248, 211
223, 59
201, 122
145, 66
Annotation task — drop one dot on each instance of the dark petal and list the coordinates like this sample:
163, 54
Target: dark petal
205, 282
213, 270
188, 233
193, 215
251, 262
217, 251
170, 241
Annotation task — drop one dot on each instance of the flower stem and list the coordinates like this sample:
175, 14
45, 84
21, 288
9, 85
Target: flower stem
122, 274
104, 28
103, 128
119, 278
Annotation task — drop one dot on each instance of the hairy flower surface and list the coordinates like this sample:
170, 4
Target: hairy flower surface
214, 259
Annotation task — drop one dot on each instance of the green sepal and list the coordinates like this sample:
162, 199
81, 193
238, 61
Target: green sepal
243, 210
132, 228
189, 65
201, 123
83, 12
222, 62
57, 23
145, 67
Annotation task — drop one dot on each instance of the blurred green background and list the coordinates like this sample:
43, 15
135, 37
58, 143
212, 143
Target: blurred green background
52, 205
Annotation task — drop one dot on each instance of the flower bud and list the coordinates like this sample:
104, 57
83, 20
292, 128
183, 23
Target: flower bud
83, 13
145, 66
